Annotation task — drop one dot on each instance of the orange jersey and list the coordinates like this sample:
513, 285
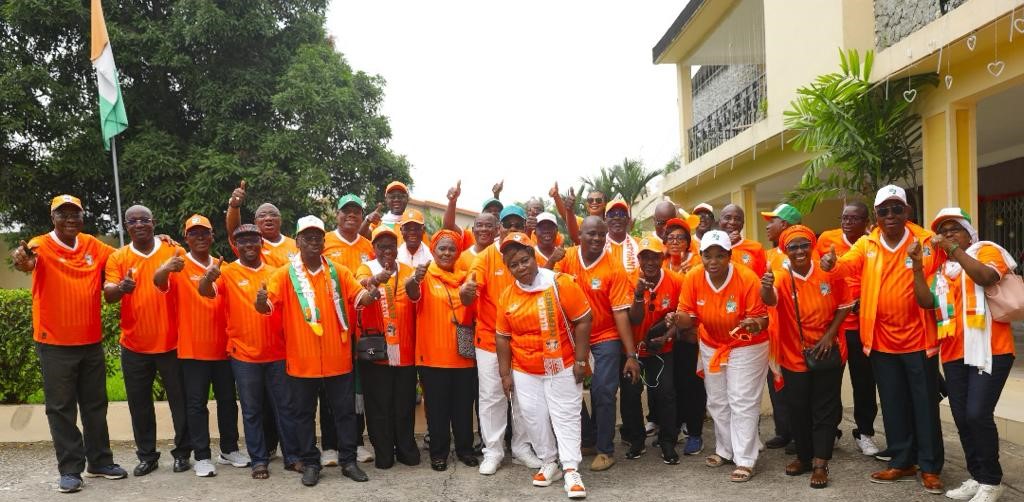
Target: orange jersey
890, 322
536, 323
751, 255
691, 260
66, 285
492, 277
252, 337
200, 320
277, 255
307, 354
147, 316
542, 259
818, 296
400, 310
625, 253
607, 287
436, 312
837, 238
660, 300
952, 348
466, 259
349, 254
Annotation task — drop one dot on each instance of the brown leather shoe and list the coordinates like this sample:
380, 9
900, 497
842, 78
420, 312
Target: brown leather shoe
892, 475
932, 483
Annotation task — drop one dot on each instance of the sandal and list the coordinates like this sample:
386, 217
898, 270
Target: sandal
741, 474
798, 467
260, 471
819, 476
716, 460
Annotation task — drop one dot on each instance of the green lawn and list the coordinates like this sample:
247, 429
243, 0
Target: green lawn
115, 389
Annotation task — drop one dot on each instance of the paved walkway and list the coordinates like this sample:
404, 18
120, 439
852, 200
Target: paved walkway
28, 472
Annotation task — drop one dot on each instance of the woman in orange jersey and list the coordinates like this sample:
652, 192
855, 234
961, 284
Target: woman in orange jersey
548, 241
449, 380
811, 305
678, 245
543, 338
255, 345
722, 299
389, 386
977, 351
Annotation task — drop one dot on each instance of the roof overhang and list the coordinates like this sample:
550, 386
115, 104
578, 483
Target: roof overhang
714, 32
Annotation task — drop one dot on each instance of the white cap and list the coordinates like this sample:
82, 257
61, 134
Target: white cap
703, 206
546, 216
715, 238
890, 192
307, 222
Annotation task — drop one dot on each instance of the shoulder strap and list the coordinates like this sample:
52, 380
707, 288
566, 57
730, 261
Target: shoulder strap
565, 318
796, 307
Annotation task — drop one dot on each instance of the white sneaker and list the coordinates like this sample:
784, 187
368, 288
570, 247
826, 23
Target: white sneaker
650, 428
966, 490
363, 454
235, 458
329, 458
205, 469
574, 484
490, 465
988, 493
528, 458
547, 474
867, 445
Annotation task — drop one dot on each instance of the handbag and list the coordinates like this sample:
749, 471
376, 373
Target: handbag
371, 345
832, 360
464, 333
1006, 298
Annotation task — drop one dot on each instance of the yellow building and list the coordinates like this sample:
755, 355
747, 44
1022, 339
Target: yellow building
754, 54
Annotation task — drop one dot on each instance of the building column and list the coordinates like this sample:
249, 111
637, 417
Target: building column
685, 103
746, 198
950, 161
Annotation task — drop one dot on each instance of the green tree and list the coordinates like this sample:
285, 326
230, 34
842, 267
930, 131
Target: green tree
863, 136
215, 91
627, 180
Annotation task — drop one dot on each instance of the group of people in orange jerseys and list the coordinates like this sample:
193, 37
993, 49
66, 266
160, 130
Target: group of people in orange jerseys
503, 322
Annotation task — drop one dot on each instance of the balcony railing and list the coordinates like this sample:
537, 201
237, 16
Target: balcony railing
740, 112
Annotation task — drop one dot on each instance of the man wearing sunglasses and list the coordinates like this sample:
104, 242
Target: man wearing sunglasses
899, 337
623, 247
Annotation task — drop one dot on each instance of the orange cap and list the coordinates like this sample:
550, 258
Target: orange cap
411, 216
382, 230
616, 203
515, 238
651, 244
396, 185
197, 220
60, 200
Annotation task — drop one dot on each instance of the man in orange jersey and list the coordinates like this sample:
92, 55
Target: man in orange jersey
411, 250
67, 271
853, 226
549, 250
706, 213
254, 344
149, 339
607, 286
396, 200
487, 280
778, 220
277, 248
623, 246
485, 228
745, 252
311, 294
899, 337
202, 348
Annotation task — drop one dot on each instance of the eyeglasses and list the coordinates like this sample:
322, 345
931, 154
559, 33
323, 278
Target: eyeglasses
248, 240
198, 233
311, 237
676, 238
139, 221
595, 200
396, 196
896, 210
68, 215
705, 215
509, 225
803, 246
950, 230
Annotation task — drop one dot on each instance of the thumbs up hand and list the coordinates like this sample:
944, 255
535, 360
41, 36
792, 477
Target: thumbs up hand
553, 193
176, 263
497, 188
375, 216
383, 276
915, 252
469, 288
127, 284
455, 191
23, 255
828, 261
421, 272
768, 280
238, 195
213, 272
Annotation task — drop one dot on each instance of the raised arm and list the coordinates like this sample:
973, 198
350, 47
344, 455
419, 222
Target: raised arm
234, 215
449, 212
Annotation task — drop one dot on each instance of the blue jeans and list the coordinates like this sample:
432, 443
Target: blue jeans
255, 381
972, 399
603, 385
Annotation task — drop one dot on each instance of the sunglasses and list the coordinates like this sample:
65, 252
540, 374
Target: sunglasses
595, 200
896, 210
509, 225
792, 248
248, 241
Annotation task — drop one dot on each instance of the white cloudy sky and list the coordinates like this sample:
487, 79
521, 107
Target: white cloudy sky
529, 91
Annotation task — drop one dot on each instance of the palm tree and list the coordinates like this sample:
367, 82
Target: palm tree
627, 180
864, 136
604, 182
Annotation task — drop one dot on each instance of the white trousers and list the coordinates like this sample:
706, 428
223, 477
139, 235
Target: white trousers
493, 414
734, 401
550, 410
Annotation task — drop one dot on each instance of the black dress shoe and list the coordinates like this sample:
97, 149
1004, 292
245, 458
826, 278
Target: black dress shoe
777, 442
182, 464
353, 472
439, 464
384, 463
145, 467
311, 475
469, 460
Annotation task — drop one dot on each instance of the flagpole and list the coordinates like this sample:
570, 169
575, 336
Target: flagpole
117, 190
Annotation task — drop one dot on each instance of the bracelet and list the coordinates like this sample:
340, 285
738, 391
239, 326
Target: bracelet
581, 364
638, 299
955, 247
634, 356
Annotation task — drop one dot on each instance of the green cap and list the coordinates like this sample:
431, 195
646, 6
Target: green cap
490, 201
784, 212
350, 199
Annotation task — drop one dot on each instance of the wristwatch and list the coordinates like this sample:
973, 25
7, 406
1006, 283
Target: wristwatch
634, 355
581, 364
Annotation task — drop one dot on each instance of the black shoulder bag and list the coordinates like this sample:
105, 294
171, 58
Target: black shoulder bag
371, 345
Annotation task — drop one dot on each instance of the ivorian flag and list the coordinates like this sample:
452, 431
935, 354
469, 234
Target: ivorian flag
113, 119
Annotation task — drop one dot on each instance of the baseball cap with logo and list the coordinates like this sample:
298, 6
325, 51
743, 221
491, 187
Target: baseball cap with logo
351, 199
546, 216
512, 210
246, 229
515, 238
396, 185
411, 216
197, 220
651, 244
616, 203
890, 192
60, 200
382, 230
715, 238
784, 212
490, 201
308, 222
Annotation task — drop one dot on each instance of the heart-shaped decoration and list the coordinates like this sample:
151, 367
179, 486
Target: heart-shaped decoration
996, 68
1018, 24
972, 41
949, 81
910, 95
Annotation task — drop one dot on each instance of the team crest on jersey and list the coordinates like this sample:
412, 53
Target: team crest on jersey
267, 251
363, 257
595, 283
551, 345
700, 302
825, 289
871, 253
908, 263
336, 254
730, 305
88, 259
746, 259
664, 302
513, 306
196, 277
927, 251
499, 272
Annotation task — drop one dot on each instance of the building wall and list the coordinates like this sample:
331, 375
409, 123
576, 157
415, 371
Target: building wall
895, 19
721, 88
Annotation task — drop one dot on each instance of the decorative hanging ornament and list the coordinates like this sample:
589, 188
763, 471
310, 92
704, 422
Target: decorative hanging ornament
1018, 24
996, 67
972, 41
949, 81
910, 95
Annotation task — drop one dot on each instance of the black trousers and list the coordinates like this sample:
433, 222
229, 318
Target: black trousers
815, 406
75, 378
139, 371
909, 391
389, 393
660, 384
199, 376
972, 399
339, 392
862, 378
450, 393
780, 412
691, 397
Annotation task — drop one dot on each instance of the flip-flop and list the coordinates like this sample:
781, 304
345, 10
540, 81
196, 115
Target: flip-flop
741, 475
716, 460
260, 472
